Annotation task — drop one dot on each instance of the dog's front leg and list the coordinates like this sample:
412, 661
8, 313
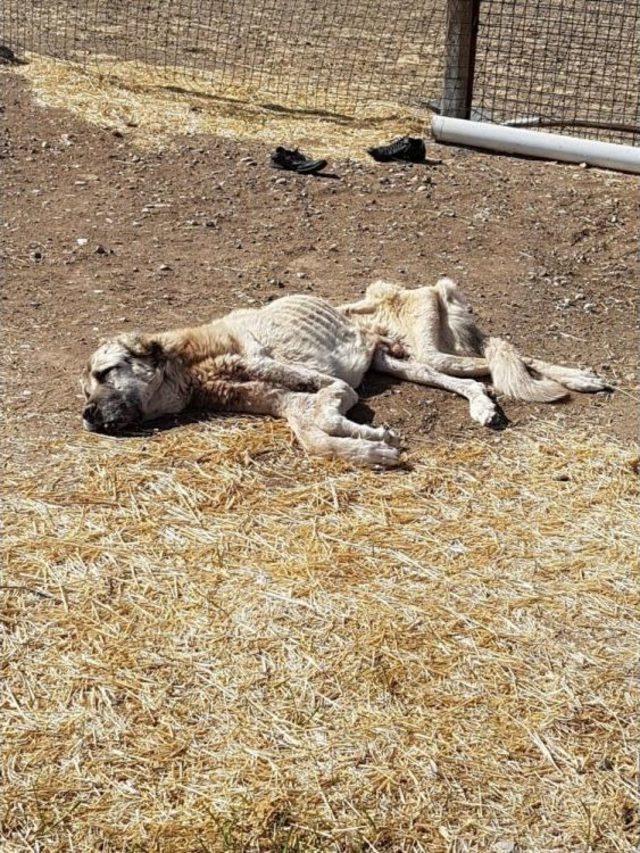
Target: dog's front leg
315, 419
294, 377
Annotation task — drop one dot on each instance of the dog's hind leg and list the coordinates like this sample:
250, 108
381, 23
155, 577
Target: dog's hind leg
440, 330
481, 407
363, 306
461, 342
510, 375
456, 365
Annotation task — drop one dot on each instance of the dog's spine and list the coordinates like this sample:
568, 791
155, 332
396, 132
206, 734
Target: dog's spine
510, 376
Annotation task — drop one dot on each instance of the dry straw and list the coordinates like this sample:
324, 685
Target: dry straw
215, 643
152, 106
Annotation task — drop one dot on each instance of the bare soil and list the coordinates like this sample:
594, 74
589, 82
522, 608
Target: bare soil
100, 237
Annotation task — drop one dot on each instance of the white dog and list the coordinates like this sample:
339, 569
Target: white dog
301, 359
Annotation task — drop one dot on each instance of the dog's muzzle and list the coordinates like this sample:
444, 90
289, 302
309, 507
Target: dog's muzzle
97, 419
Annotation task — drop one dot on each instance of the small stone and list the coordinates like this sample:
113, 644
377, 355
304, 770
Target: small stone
164, 268
82, 241
506, 846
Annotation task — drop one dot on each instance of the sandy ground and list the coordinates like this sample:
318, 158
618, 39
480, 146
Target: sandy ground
100, 236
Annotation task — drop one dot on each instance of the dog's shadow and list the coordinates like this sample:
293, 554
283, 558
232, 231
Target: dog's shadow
373, 385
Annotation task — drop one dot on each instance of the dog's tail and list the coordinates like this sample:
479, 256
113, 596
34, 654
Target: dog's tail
511, 377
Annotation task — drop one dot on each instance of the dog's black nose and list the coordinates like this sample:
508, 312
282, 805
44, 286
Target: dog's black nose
92, 414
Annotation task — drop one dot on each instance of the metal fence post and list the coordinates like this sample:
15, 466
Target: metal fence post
460, 56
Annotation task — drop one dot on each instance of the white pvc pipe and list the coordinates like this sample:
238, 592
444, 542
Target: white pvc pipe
535, 143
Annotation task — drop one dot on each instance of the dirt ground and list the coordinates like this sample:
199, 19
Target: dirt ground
100, 236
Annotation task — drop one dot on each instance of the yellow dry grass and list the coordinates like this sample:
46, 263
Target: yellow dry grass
152, 106
215, 643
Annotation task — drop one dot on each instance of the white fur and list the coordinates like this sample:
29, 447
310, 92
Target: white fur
438, 328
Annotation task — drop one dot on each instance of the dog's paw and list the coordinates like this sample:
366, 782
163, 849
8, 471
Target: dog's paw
586, 382
499, 421
488, 413
381, 455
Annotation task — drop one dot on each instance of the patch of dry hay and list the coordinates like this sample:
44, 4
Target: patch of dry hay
215, 643
152, 106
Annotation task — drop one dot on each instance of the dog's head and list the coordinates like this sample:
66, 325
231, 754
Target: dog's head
126, 382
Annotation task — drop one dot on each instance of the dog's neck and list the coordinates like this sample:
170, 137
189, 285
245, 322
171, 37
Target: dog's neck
200, 364
192, 345
206, 384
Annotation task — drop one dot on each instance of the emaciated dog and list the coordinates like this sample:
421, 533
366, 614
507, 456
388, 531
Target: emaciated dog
301, 359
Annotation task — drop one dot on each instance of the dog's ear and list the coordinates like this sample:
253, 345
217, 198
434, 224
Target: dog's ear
155, 352
144, 346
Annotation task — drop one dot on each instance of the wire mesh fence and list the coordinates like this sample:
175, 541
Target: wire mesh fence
569, 65
326, 55
563, 65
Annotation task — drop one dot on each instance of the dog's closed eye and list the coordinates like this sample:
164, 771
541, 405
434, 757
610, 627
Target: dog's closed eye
101, 375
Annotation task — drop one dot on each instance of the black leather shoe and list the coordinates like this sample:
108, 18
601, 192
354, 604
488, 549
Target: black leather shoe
295, 161
407, 148
8, 57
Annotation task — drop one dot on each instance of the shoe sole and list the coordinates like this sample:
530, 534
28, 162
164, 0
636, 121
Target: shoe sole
311, 168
